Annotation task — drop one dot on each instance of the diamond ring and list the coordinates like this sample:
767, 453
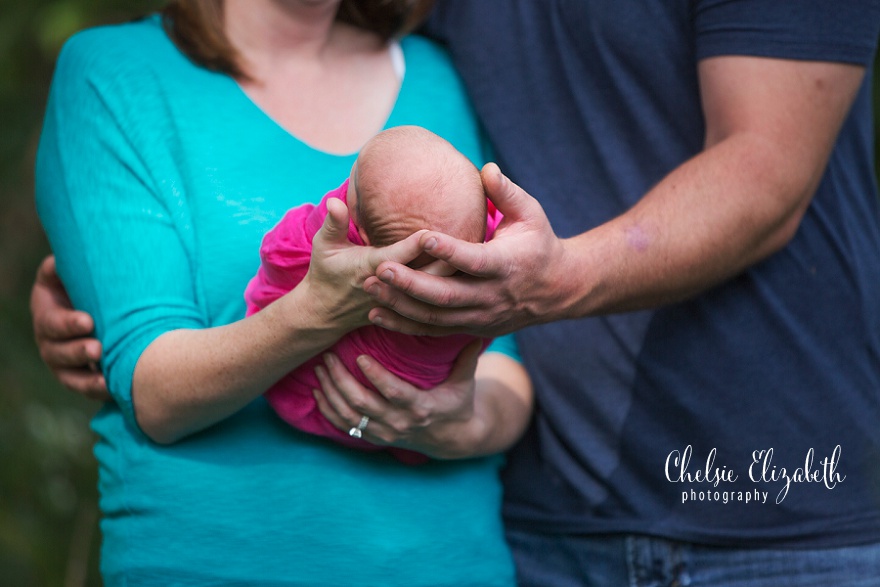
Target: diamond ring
358, 431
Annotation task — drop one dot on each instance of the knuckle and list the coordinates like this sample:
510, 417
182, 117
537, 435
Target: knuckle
81, 385
399, 426
70, 381
434, 315
421, 416
82, 352
394, 392
446, 297
389, 300
359, 404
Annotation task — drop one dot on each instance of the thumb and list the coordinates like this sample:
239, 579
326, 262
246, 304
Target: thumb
335, 227
466, 364
510, 199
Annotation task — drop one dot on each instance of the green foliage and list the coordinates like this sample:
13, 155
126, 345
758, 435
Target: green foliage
48, 480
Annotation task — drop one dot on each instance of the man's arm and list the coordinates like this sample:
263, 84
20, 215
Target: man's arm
65, 336
770, 127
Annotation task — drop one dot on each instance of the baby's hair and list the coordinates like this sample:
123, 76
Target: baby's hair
407, 178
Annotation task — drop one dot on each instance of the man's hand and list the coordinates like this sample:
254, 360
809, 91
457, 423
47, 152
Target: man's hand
338, 269
502, 285
63, 336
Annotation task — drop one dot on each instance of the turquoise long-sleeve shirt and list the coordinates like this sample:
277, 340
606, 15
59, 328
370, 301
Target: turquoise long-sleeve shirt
156, 180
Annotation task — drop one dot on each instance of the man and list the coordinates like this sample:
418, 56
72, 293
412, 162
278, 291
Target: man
702, 321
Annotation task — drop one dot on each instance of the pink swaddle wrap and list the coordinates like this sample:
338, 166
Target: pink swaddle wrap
421, 360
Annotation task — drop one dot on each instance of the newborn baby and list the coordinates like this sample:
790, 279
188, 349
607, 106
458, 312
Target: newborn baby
405, 179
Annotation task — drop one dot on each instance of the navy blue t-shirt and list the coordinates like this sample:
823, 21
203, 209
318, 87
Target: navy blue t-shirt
588, 105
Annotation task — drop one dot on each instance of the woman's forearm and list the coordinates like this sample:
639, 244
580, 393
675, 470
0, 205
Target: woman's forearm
503, 404
187, 380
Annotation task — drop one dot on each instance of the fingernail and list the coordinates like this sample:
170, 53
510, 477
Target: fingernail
373, 290
363, 362
430, 243
82, 323
387, 276
377, 320
329, 359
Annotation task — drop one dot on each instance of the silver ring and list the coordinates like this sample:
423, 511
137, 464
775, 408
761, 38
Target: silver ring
358, 431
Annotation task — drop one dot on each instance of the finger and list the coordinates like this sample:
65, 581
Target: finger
471, 258
71, 354
456, 291
510, 199
465, 366
335, 227
350, 398
347, 416
56, 322
439, 268
54, 317
84, 382
47, 274
394, 389
391, 320
452, 302
401, 252
327, 410
335, 408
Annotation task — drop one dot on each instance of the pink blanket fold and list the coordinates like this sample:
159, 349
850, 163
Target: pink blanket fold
421, 360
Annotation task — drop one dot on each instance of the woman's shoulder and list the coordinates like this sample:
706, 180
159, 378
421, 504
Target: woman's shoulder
427, 55
418, 46
107, 52
434, 96
430, 71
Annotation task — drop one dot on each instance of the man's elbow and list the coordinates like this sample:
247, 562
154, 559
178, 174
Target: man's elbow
792, 216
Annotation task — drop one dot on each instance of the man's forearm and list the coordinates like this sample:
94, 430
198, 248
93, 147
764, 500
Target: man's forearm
771, 126
714, 216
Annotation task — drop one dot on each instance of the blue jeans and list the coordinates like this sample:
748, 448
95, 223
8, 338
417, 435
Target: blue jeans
641, 561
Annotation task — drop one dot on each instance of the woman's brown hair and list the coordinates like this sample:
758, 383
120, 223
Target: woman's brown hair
196, 26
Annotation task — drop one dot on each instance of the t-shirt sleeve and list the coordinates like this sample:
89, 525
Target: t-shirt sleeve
506, 345
117, 228
817, 30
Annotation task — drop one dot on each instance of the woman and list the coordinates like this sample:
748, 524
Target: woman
162, 163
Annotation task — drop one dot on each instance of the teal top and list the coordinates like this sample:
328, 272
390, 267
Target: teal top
156, 180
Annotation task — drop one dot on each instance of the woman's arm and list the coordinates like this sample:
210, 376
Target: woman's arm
482, 408
188, 379
116, 211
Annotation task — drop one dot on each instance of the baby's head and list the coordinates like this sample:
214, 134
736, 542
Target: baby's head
407, 178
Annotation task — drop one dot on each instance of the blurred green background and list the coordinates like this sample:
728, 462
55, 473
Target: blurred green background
48, 497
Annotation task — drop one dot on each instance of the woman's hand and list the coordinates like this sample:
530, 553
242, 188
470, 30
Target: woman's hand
338, 268
482, 407
433, 422
63, 336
